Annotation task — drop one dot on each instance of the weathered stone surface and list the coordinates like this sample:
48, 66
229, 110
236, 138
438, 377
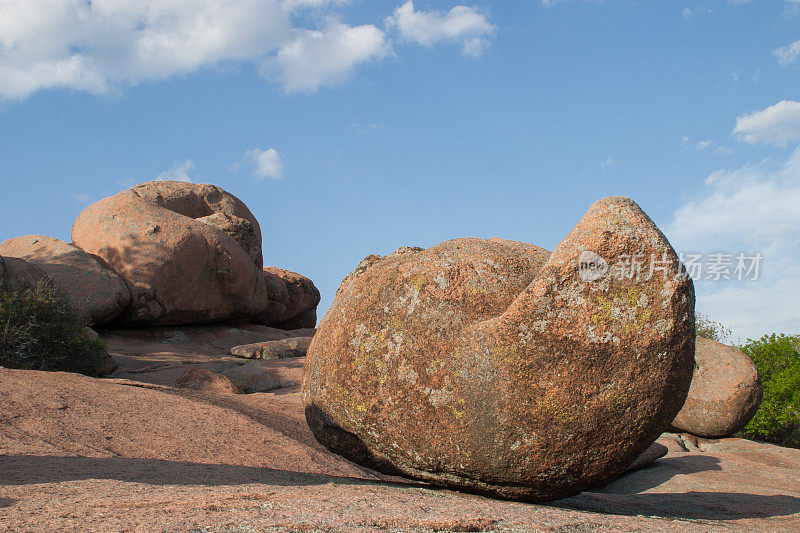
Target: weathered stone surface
160, 355
492, 366
97, 455
188, 252
293, 300
655, 452
205, 381
107, 364
725, 391
18, 270
97, 293
305, 320
277, 349
265, 375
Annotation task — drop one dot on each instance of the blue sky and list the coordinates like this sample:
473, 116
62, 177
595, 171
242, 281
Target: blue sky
355, 127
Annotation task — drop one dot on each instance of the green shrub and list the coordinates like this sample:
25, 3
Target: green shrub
707, 328
778, 360
38, 331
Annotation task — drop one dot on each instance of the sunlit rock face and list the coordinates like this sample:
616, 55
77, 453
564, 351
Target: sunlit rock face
494, 366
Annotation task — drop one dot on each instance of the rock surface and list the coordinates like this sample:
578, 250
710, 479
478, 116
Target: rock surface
160, 355
293, 299
96, 292
279, 349
18, 270
82, 454
189, 253
203, 380
267, 375
725, 391
493, 366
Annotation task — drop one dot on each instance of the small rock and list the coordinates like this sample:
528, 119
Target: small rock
203, 380
725, 392
266, 375
291, 347
651, 455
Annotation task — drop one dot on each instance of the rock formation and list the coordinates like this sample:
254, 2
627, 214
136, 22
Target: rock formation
725, 391
96, 293
493, 366
191, 253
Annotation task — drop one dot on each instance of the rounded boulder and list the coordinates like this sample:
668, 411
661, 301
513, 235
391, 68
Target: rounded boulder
189, 253
97, 293
725, 392
493, 366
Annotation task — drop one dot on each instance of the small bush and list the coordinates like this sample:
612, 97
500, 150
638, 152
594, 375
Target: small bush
707, 328
38, 331
778, 360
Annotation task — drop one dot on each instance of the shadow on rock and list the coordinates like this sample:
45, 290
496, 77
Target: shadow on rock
689, 505
33, 469
7, 502
627, 496
661, 471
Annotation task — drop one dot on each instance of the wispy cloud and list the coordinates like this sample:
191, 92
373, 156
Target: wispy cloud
178, 172
362, 128
317, 58
462, 24
778, 124
787, 54
607, 163
749, 210
267, 162
702, 145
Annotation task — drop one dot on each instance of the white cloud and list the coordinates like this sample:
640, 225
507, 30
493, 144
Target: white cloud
81, 197
462, 24
778, 124
787, 54
748, 210
607, 163
687, 12
293, 5
726, 150
268, 162
702, 145
325, 58
103, 45
95, 45
178, 172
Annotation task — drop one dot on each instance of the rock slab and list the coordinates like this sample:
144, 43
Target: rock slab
492, 366
725, 392
96, 292
202, 380
277, 349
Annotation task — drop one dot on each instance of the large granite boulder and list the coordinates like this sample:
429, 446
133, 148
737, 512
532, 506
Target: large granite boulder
188, 252
493, 366
725, 391
97, 293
